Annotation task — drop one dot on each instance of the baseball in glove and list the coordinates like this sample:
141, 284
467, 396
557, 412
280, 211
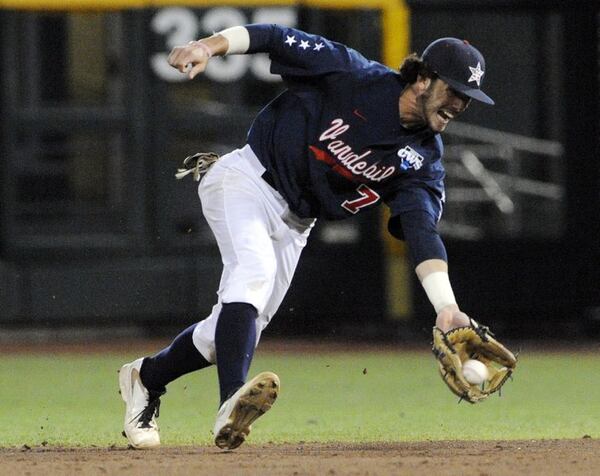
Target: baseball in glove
458, 345
197, 164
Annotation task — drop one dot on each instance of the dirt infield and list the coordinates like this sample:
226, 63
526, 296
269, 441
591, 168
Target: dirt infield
549, 457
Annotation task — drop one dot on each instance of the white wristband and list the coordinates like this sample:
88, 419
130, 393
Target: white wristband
438, 289
238, 38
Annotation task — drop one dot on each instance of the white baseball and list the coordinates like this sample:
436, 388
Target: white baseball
475, 372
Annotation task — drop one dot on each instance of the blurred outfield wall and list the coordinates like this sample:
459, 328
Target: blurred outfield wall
95, 231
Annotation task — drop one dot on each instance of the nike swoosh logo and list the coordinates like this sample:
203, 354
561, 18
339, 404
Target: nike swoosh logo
357, 113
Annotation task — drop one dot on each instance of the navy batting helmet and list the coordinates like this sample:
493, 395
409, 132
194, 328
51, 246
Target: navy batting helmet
459, 64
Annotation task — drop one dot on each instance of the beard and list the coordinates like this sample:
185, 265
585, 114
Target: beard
431, 110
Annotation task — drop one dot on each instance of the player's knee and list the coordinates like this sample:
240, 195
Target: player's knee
260, 284
252, 285
261, 274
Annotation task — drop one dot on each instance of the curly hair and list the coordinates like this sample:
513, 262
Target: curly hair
413, 66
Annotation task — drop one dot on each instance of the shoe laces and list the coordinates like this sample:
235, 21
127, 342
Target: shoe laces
197, 164
151, 410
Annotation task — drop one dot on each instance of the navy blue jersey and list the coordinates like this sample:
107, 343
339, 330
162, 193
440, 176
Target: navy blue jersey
333, 142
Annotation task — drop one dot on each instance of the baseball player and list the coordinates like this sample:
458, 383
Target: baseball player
347, 134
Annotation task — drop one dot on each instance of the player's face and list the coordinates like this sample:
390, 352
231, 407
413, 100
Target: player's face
440, 103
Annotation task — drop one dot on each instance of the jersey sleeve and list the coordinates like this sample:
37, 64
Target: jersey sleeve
416, 209
419, 229
296, 53
422, 191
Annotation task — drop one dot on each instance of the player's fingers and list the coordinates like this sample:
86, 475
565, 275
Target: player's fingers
460, 319
181, 62
179, 58
443, 320
174, 56
173, 61
170, 57
191, 57
198, 68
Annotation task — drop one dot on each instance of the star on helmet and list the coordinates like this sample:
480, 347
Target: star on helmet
476, 74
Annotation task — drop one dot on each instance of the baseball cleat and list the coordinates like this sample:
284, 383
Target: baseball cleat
240, 410
141, 407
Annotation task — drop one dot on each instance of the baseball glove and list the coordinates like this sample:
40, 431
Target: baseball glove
472, 342
197, 164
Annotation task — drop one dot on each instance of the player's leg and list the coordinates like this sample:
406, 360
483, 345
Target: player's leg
241, 216
240, 325
279, 242
143, 381
245, 215
257, 396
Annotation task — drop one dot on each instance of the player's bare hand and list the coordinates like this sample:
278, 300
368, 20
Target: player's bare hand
189, 59
450, 317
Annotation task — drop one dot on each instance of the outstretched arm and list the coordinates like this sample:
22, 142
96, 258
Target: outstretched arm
292, 52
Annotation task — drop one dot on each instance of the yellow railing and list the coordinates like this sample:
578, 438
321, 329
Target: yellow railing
395, 13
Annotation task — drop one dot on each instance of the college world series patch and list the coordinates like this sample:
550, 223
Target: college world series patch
410, 159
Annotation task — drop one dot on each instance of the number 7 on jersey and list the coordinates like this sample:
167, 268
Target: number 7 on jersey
367, 197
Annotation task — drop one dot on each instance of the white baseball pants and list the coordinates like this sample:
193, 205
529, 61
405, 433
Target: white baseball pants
260, 241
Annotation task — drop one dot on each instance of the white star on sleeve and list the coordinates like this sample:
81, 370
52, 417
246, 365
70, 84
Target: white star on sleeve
476, 74
290, 40
304, 44
318, 46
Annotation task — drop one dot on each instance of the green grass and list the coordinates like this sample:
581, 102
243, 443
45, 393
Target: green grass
73, 401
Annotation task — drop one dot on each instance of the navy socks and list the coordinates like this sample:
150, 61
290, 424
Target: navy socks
235, 339
180, 358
